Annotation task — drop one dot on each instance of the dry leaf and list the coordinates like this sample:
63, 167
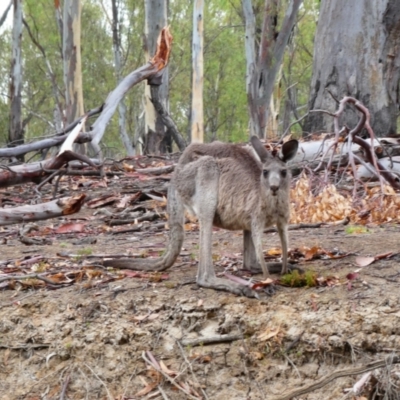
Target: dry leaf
274, 252
147, 389
364, 261
128, 167
310, 253
71, 227
268, 334
168, 371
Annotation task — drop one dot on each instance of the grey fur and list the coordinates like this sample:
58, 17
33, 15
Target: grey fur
225, 186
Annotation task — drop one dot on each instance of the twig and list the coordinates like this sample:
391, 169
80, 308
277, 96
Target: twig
145, 217
323, 111
293, 365
339, 374
163, 394
105, 386
65, 387
49, 178
156, 171
294, 342
191, 369
211, 339
293, 123
293, 227
134, 228
26, 347
158, 369
34, 276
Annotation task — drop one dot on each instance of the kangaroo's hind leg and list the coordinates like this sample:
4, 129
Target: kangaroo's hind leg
205, 202
250, 261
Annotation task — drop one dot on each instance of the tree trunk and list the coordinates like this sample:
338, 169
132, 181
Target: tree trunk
156, 19
72, 62
251, 61
197, 114
16, 134
262, 71
117, 59
356, 53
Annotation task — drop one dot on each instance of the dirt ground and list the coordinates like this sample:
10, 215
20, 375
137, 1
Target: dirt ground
87, 341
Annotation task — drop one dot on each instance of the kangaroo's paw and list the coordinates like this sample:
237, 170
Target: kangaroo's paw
228, 286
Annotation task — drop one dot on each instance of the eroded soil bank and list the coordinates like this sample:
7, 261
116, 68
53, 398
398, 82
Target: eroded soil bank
87, 342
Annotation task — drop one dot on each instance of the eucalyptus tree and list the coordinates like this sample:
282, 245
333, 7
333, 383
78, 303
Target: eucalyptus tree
71, 40
356, 53
116, 33
155, 20
16, 133
264, 61
197, 114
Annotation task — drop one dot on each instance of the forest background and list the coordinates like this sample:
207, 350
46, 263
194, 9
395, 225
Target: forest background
352, 53
225, 101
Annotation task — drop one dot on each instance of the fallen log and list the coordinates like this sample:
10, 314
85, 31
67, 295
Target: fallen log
34, 172
37, 212
42, 144
38, 171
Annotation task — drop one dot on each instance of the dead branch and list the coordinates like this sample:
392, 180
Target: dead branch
36, 172
156, 64
66, 254
52, 141
189, 364
145, 217
211, 339
165, 117
293, 227
25, 346
133, 228
339, 374
41, 277
51, 209
353, 137
157, 171
107, 110
146, 357
34, 241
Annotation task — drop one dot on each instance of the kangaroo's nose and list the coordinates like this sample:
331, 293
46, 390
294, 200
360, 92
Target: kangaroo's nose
274, 189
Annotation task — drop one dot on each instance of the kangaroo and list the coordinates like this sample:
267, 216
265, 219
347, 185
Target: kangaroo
226, 186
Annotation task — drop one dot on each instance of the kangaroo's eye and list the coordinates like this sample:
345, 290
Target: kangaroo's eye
283, 173
265, 173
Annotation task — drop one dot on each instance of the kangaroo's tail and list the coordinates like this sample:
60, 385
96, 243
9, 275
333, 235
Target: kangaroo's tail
175, 209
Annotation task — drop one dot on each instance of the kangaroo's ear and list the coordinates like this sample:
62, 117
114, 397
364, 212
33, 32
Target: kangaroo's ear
260, 149
289, 150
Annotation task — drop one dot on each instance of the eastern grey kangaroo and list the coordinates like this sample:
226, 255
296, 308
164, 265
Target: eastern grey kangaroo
226, 186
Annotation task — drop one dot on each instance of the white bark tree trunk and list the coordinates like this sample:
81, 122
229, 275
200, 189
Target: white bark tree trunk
263, 70
16, 134
356, 53
117, 59
197, 114
72, 62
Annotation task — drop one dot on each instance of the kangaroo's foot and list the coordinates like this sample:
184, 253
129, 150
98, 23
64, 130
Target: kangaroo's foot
228, 286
